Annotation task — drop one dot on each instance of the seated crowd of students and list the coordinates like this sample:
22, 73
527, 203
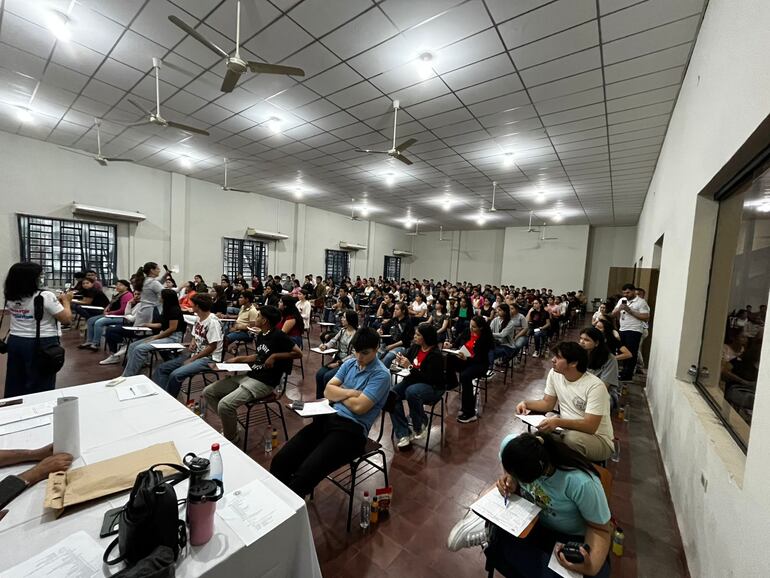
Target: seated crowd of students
380, 327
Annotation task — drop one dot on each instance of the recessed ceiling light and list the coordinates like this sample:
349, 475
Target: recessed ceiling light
448, 202
557, 217
390, 180
764, 207
508, 160
58, 24
274, 124
25, 115
540, 197
185, 162
425, 65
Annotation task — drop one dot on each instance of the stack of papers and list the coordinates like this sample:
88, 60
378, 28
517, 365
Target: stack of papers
253, 511
78, 555
534, 420
313, 408
233, 367
463, 350
136, 391
322, 351
20, 417
173, 346
513, 517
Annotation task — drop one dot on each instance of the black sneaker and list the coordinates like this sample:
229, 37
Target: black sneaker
467, 418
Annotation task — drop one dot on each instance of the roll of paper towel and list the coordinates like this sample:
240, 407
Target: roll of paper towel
66, 427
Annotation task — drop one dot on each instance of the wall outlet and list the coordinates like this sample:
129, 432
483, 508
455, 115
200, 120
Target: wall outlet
704, 481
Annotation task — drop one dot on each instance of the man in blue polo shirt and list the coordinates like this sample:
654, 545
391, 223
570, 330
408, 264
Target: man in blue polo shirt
359, 391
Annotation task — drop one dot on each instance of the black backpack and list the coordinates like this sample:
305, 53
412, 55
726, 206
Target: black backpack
150, 518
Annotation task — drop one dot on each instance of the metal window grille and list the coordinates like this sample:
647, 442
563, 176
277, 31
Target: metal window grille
246, 257
337, 265
63, 247
392, 269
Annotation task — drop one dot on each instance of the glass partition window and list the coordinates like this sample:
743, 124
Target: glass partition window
737, 305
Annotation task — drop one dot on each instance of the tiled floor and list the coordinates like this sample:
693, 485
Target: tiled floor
433, 490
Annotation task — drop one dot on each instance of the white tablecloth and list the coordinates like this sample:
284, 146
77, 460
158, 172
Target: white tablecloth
110, 428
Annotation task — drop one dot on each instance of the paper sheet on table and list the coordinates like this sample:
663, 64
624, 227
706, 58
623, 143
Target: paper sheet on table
234, 367
93, 307
463, 350
25, 424
66, 426
513, 518
534, 420
168, 346
135, 391
316, 408
77, 556
319, 350
554, 565
23, 412
253, 511
137, 329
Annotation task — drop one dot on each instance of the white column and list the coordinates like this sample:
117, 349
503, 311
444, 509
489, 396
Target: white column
178, 227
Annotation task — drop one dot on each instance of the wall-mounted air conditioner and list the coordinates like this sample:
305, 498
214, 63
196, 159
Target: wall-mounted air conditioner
265, 235
352, 246
398, 253
104, 213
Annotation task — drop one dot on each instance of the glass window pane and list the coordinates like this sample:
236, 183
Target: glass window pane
737, 304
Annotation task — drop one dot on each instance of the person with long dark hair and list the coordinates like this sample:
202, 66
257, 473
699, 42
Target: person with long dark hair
478, 340
612, 339
567, 488
342, 342
503, 332
291, 322
146, 281
171, 329
539, 322
601, 362
423, 385
24, 373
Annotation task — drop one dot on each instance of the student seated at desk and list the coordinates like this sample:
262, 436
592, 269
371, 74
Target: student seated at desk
567, 488
205, 348
478, 340
185, 301
90, 296
246, 318
113, 315
269, 296
291, 322
219, 307
359, 390
171, 328
400, 330
584, 403
342, 343
274, 354
48, 462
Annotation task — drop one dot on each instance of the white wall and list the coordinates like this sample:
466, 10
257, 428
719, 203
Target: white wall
186, 217
723, 99
607, 247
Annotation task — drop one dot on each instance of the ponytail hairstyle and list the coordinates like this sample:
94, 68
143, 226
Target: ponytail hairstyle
599, 355
528, 457
506, 314
142, 273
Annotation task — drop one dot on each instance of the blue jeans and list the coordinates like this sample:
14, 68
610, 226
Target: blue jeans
95, 327
541, 337
171, 374
22, 375
500, 351
234, 336
138, 352
416, 395
322, 377
388, 358
297, 339
233, 310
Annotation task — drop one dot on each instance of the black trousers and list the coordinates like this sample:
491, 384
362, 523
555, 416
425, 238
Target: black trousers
631, 340
318, 449
468, 372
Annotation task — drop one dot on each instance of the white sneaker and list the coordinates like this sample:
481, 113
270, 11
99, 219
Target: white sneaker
418, 435
403, 442
536, 354
490, 373
469, 532
113, 359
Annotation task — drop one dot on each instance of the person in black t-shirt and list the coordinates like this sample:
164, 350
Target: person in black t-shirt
92, 297
274, 354
269, 297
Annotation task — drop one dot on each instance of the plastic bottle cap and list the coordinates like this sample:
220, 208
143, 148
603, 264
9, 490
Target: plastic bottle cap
214, 447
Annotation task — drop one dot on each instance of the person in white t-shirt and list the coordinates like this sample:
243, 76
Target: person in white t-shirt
205, 348
584, 404
418, 309
633, 313
22, 285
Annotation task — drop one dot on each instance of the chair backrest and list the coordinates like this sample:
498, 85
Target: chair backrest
606, 479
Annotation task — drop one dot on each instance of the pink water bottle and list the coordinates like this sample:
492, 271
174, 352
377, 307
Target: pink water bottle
201, 504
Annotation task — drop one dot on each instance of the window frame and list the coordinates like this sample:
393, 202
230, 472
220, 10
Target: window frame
388, 260
236, 254
336, 269
73, 245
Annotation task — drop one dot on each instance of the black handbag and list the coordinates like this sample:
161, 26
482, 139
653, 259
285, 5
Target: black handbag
48, 359
150, 518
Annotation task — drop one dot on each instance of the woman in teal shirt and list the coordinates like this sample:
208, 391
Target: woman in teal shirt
573, 509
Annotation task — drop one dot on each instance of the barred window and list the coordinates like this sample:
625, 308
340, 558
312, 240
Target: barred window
244, 256
337, 265
63, 247
392, 269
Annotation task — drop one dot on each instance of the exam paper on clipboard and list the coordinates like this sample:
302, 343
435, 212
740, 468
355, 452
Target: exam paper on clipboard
534, 420
515, 517
464, 350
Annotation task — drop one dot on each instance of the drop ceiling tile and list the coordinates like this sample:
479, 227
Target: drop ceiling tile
547, 20
399, 77
668, 58
635, 144
321, 16
652, 81
642, 99
102, 92
315, 110
237, 100
153, 23
254, 16
333, 121
315, 58
563, 67
367, 30
565, 86
666, 36
570, 101
503, 10
490, 89
136, 51
25, 35
500, 104
187, 103
353, 95
467, 51
421, 92
640, 112
572, 40
278, 41
341, 76
435, 106
646, 15
119, 75
15, 60
374, 108
89, 106
570, 127
62, 77
452, 25
383, 57
294, 97
638, 134
479, 72
195, 51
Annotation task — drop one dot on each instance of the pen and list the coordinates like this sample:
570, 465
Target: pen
132, 391
505, 501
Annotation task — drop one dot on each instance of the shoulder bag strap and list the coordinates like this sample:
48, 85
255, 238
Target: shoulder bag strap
38, 306
106, 555
2, 318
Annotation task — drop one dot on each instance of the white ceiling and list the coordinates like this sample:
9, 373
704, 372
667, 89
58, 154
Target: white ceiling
580, 91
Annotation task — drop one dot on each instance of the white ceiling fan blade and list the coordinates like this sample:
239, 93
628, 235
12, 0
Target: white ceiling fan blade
372, 151
116, 160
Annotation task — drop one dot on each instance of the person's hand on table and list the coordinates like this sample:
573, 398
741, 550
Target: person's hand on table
41, 453
548, 425
521, 408
322, 347
51, 464
585, 568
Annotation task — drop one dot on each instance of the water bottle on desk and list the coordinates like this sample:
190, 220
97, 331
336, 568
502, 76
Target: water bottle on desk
215, 467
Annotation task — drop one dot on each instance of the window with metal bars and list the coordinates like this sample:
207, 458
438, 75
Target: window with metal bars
64, 247
392, 269
337, 265
244, 256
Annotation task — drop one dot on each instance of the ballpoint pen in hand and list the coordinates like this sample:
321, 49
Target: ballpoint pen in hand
505, 500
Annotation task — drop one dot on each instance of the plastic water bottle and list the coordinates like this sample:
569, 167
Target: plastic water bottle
215, 467
626, 416
268, 440
366, 511
615, 457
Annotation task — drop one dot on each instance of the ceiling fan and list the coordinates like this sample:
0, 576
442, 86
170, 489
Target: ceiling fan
353, 216
494, 190
532, 229
441, 234
544, 238
395, 151
102, 160
226, 188
235, 64
155, 117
